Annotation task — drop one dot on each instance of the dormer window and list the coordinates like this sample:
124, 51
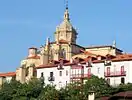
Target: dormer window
88, 64
76, 61
108, 60
60, 65
107, 63
99, 58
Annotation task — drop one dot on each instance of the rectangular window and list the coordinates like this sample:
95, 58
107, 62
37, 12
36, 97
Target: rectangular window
108, 80
122, 70
51, 74
108, 70
98, 70
122, 80
66, 72
42, 74
60, 73
66, 83
89, 72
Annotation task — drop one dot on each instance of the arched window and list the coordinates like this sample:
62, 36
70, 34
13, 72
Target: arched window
63, 53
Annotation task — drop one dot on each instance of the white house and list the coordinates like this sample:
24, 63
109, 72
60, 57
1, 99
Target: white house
115, 69
55, 74
6, 77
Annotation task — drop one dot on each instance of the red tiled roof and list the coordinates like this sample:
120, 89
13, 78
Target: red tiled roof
104, 98
34, 57
63, 41
89, 53
123, 57
124, 94
7, 74
54, 64
47, 66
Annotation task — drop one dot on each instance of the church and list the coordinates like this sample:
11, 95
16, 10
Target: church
63, 61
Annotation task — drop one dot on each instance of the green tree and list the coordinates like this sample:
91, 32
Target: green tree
8, 90
98, 85
49, 92
71, 92
17, 91
124, 87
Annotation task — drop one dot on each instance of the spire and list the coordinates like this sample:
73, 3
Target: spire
66, 14
67, 4
47, 41
114, 43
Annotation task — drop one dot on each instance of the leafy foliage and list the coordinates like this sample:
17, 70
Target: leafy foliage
98, 85
70, 92
35, 90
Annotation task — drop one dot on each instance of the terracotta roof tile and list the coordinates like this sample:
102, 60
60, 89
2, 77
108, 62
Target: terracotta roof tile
63, 41
122, 94
123, 57
7, 74
47, 66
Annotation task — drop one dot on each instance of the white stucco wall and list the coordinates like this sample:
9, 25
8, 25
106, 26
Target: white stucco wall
116, 67
97, 69
8, 79
60, 81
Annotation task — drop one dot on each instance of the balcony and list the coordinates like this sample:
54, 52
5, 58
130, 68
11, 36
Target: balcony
115, 74
80, 76
51, 78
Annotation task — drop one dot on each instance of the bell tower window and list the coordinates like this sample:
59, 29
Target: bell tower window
63, 53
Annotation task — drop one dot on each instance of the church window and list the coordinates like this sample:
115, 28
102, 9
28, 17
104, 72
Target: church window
63, 53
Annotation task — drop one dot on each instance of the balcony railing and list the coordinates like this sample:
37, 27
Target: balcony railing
115, 74
79, 76
51, 78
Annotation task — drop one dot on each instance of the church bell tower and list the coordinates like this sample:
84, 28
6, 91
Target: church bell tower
65, 30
